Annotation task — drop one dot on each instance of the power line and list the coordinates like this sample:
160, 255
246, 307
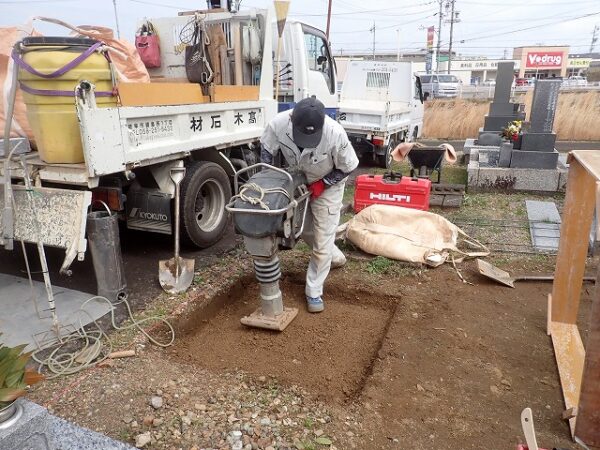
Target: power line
530, 28
383, 28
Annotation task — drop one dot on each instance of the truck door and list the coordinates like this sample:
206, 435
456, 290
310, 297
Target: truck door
417, 109
321, 80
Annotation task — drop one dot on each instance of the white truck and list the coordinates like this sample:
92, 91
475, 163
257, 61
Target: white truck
381, 105
129, 151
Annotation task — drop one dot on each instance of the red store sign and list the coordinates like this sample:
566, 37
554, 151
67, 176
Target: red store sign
544, 59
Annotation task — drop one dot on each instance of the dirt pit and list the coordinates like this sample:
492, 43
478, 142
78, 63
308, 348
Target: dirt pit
330, 353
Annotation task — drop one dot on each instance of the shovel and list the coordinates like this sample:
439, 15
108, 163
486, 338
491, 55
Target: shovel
490, 271
175, 275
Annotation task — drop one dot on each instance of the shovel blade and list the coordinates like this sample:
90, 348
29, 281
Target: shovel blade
176, 276
490, 271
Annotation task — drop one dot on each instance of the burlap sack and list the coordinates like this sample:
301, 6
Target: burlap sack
19, 126
410, 235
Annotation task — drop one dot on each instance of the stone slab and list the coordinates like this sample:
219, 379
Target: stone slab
513, 179
37, 429
504, 109
544, 225
533, 160
543, 105
540, 142
487, 138
505, 74
489, 157
19, 322
497, 123
506, 150
22, 145
472, 173
469, 143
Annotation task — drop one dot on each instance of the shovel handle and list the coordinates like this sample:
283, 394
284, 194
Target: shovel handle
177, 174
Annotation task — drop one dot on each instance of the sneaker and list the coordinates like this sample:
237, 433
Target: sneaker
336, 264
315, 304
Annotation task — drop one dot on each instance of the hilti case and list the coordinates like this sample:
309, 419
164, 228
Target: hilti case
391, 189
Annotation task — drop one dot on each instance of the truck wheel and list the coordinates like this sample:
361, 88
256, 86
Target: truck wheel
205, 191
385, 160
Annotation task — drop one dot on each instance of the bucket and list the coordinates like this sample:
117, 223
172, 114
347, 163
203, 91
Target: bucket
105, 246
49, 70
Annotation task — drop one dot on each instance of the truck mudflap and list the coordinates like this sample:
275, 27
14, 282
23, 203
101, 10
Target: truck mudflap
56, 217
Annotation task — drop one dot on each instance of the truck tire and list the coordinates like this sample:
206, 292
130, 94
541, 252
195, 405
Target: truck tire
385, 161
205, 191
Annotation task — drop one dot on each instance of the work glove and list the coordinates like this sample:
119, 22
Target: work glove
316, 189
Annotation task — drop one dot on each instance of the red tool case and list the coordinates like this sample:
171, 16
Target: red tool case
391, 189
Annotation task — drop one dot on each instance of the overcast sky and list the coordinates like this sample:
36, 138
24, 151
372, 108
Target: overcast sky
487, 27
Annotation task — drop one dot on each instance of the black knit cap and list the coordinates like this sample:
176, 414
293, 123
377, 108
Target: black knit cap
308, 118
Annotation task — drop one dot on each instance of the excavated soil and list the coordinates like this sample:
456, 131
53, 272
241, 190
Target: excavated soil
431, 361
330, 353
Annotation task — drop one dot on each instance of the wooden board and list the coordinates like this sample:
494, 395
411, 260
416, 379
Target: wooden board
168, 80
570, 356
217, 40
580, 201
160, 94
235, 93
588, 411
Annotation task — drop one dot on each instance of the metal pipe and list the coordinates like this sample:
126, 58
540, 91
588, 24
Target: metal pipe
8, 216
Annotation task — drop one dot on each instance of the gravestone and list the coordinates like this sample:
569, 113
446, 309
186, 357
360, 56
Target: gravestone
537, 144
502, 111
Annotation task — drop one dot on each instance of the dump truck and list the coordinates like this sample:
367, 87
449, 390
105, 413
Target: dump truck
128, 151
381, 105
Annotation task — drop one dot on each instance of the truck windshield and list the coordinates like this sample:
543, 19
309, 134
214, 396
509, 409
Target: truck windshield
318, 57
447, 79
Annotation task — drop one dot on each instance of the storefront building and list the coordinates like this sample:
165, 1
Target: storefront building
542, 62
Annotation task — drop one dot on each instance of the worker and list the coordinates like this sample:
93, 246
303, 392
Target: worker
319, 147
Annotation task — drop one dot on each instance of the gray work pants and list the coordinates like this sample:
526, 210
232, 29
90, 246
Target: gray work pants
322, 219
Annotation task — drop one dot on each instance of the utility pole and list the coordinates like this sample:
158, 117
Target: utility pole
372, 30
594, 38
328, 19
439, 42
117, 19
451, 32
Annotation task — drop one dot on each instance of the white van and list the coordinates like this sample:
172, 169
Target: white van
381, 105
439, 86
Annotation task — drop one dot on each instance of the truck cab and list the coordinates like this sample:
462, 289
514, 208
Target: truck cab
305, 67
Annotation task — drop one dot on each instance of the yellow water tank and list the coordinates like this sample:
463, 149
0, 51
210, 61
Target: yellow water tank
49, 70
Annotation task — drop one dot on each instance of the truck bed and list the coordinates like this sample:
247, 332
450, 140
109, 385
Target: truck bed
370, 116
122, 138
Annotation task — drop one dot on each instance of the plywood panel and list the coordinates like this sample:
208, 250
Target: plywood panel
235, 93
588, 415
580, 201
570, 355
160, 94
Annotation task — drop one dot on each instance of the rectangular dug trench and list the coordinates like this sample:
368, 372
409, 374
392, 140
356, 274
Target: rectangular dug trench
331, 353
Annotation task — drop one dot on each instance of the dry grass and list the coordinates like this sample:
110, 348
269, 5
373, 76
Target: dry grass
454, 118
577, 117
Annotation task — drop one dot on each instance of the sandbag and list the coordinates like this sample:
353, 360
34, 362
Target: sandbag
410, 235
20, 126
